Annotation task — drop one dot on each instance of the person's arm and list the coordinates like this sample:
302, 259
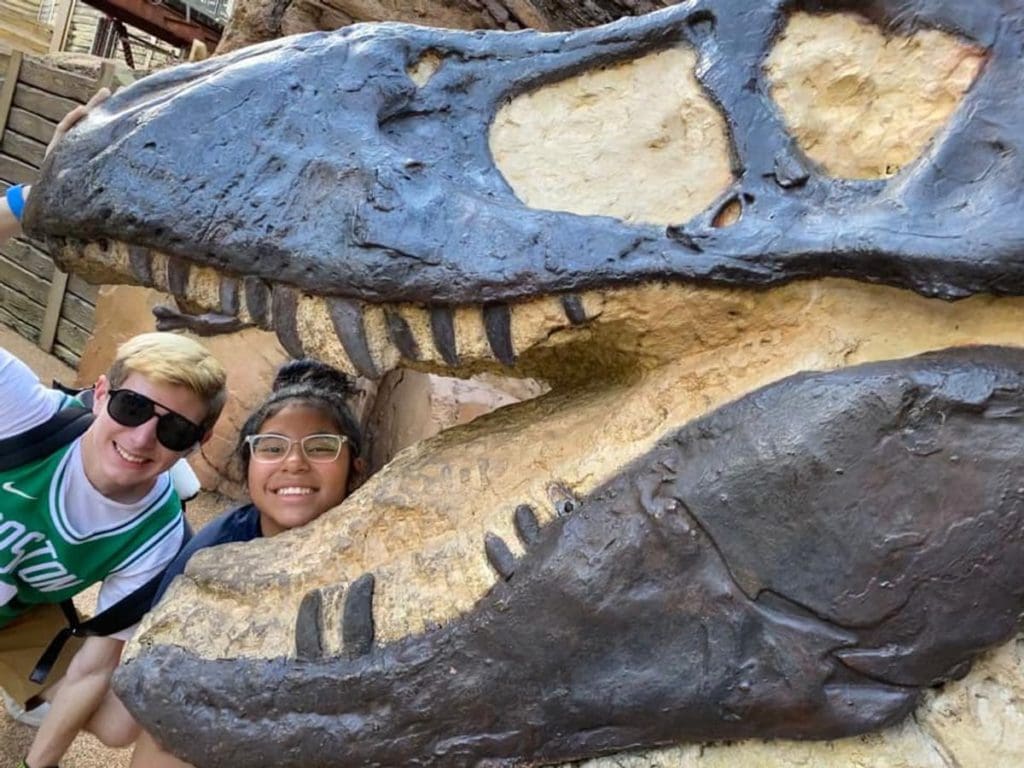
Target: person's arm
79, 696
24, 401
9, 223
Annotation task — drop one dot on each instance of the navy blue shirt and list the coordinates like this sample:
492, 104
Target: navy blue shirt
240, 524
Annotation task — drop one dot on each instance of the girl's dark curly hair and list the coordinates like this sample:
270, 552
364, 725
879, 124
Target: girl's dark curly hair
310, 383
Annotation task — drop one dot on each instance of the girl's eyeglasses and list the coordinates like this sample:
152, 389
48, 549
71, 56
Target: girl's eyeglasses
319, 449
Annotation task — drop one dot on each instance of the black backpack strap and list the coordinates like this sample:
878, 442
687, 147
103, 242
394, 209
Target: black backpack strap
43, 439
52, 652
126, 612
86, 395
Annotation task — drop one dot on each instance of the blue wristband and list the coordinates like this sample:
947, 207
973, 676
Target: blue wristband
16, 200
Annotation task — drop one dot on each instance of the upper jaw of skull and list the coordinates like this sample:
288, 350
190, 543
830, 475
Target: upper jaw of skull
449, 170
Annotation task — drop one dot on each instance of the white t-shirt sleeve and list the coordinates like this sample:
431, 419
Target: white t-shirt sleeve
123, 583
24, 401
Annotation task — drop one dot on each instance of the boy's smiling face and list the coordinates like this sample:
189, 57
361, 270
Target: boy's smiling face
123, 462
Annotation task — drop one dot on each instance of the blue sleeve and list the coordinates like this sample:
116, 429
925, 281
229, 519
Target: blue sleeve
240, 524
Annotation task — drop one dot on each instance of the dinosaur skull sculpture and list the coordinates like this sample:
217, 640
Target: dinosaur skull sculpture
799, 563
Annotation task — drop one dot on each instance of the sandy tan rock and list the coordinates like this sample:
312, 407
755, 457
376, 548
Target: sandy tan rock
412, 406
979, 721
253, 21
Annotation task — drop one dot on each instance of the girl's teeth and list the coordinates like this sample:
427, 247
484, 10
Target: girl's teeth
293, 491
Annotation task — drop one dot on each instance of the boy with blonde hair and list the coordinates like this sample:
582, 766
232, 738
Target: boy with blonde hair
100, 508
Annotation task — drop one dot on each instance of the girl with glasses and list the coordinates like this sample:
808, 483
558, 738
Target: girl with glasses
300, 455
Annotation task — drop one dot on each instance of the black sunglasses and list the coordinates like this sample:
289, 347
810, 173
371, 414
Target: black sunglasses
174, 431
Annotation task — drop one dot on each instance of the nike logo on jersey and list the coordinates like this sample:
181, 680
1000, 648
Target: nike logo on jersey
9, 487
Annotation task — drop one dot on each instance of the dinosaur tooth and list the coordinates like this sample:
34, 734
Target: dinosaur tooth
177, 276
401, 335
442, 326
229, 299
498, 325
257, 301
140, 262
357, 617
205, 324
349, 325
527, 527
285, 303
499, 556
309, 627
574, 311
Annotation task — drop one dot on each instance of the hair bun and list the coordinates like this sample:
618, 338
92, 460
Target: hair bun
315, 374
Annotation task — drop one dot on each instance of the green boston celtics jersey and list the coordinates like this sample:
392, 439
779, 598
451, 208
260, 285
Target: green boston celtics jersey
43, 559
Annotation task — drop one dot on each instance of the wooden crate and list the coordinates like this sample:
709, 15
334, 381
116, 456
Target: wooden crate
42, 303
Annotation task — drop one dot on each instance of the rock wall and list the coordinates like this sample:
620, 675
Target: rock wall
863, 104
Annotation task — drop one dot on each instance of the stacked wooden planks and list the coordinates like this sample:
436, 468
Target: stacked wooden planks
20, 27
42, 303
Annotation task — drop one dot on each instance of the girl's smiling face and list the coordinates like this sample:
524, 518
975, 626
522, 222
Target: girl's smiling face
294, 490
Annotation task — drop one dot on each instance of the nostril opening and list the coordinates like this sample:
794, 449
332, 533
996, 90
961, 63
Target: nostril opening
730, 212
701, 24
424, 68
